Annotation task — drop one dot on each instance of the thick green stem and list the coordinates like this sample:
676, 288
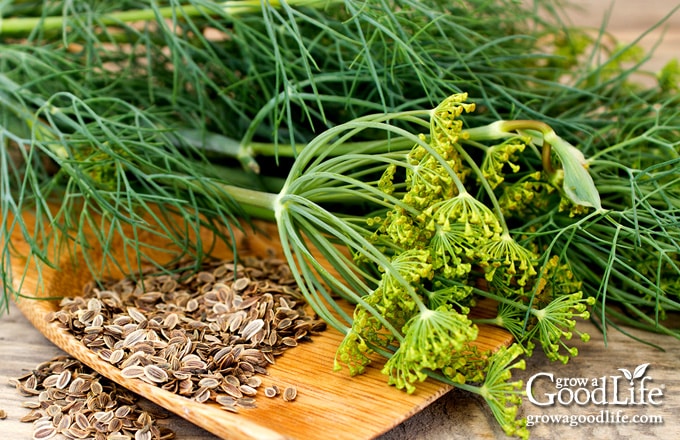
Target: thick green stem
246, 153
23, 26
256, 203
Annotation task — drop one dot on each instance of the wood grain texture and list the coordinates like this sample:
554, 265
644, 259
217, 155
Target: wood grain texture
328, 402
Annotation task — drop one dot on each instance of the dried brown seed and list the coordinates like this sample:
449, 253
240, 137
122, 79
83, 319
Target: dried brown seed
103, 416
132, 372
116, 356
233, 380
150, 297
113, 329
205, 277
30, 404
168, 285
98, 322
53, 410
284, 324
132, 360
186, 387
44, 432
222, 353
254, 381
209, 382
48, 382
246, 402
144, 347
77, 386
81, 421
114, 425
95, 305
85, 316
192, 305
64, 423
171, 321
225, 400
77, 432
118, 436
202, 395
136, 336
96, 388
143, 435
289, 394
252, 328
31, 416
290, 342
232, 390
230, 408
270, 392
136, 314
241, 284
235, 321
122, 411
248, 390
155, 374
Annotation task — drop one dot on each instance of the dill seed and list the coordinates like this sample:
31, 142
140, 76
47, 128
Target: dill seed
155, 374
289, 394
44, 432
271, 392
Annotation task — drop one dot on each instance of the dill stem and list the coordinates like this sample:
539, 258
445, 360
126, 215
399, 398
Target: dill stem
258, 204
22, 26
246, 152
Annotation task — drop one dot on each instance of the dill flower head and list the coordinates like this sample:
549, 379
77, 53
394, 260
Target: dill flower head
352, 352
432, 336
503, 396
445, 125
428, 181
401, 229
499, 157
479, 221
555, 324
528, 197
391, 297
504, 254
431, 339
452, 249
403, 374
432, 173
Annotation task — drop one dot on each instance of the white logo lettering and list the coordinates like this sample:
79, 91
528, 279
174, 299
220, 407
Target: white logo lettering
630, 389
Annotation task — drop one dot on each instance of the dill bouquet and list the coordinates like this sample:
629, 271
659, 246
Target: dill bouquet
434, 153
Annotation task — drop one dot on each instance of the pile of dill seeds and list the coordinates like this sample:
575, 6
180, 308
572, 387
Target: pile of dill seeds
69, 400
207, 335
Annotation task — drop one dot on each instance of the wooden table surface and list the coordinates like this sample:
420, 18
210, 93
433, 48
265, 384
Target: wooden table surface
458, 415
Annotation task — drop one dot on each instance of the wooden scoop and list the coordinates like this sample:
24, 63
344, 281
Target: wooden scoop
328, 404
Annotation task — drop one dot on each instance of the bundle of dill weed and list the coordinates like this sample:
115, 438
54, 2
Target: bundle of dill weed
434, 153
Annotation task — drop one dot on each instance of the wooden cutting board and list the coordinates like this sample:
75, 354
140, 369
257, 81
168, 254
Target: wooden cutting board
329, 404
